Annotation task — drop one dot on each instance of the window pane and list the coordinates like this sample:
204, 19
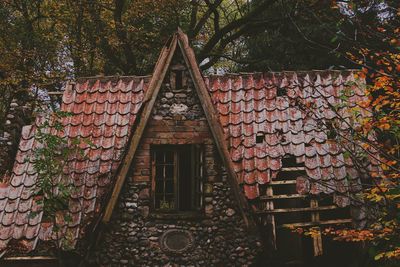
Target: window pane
169, 172
159, 157
169, 186
159, 172
178, 175
185, 179
169, 157
159, 187
167, 203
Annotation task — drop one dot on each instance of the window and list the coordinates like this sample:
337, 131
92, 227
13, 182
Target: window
177, 172
178, 79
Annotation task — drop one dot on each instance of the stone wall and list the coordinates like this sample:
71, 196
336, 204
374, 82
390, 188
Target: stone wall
134, 234
214, 236
181, 103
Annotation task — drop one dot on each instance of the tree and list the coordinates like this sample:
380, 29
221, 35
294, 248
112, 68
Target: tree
45, 42
296, 38
52, 193
374, 137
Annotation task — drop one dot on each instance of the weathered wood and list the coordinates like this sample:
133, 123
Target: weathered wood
317, 238
338, 221
55, 93
215, 126
153, 180
155, 83
292, 169
284, 182
288, 196
307, 209
32, 258
271, 217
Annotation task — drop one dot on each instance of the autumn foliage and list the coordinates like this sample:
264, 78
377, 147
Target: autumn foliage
377, 52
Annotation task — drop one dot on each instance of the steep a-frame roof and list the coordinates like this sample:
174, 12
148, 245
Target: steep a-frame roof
179, 41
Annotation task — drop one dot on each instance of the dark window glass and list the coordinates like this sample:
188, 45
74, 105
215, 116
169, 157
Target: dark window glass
178, 172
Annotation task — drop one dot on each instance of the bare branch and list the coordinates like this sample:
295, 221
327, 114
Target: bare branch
232, 26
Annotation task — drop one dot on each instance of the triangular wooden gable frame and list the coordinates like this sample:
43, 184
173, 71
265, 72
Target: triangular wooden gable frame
158, 76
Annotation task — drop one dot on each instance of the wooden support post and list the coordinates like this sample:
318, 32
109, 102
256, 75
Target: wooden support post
271, 217
317, 238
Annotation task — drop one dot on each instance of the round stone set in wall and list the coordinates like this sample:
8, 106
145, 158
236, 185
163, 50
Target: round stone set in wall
176, 241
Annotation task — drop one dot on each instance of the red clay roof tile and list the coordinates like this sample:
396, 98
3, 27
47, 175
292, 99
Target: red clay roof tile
104, 112
105, 109
251, 104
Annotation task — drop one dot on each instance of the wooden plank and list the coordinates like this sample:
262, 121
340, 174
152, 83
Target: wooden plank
153, 179
27, 258
292, 169
215, 126
284, 182
317, 238
307, 209
290, 196
271, 217
154, 87
338, 221
56, 93
176, 180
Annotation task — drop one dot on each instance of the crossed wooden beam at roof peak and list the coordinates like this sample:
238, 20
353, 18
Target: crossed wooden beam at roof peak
179, 39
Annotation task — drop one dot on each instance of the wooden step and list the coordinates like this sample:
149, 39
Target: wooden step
292, 169
294, 225
283, 182
290, 196
331, 207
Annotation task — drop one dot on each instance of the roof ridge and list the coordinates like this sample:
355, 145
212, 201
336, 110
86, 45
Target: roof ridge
277, 72
109, 77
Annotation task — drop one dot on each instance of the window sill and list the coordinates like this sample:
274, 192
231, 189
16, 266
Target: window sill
185, 215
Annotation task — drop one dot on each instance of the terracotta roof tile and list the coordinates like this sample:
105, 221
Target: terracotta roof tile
103, 112
273, 104
269, 104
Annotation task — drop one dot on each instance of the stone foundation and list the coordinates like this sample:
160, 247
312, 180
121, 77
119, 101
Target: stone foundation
218, 234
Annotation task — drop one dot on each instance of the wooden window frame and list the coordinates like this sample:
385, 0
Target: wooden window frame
196, 189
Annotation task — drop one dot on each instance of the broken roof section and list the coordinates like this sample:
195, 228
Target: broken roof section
293, 112
104, 111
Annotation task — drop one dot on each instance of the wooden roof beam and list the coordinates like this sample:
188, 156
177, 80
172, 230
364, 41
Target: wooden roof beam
154, 87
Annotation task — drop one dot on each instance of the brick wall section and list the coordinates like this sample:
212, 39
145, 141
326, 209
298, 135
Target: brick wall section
175, 133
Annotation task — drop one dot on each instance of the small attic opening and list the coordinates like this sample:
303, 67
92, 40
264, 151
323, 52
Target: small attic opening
290, 161
178, 79
177, 74
260, 137
281, 92
331, 131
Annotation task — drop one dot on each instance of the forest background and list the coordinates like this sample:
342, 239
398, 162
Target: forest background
45, 42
